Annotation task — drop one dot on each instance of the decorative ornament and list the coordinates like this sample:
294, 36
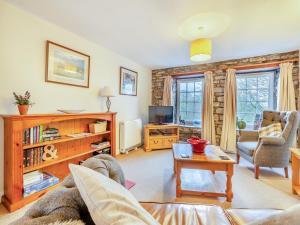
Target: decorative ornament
241, 124
50, 152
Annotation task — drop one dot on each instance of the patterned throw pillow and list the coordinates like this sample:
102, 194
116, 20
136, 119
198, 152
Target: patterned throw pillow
273, 130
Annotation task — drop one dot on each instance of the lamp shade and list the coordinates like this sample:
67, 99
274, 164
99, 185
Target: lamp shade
200, 50
107, 92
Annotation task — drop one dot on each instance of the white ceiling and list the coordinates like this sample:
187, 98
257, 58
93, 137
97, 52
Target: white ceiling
146, 30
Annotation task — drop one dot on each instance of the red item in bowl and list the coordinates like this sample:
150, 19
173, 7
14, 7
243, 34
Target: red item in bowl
198, 144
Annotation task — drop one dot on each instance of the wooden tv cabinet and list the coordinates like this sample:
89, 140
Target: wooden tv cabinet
160, 136
69, 149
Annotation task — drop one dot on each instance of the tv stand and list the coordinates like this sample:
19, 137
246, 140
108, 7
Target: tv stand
160, 136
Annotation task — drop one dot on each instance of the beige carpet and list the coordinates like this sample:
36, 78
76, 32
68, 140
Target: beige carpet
153, 173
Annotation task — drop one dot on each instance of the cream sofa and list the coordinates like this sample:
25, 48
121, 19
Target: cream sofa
191, 214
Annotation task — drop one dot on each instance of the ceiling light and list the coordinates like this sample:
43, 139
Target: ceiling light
204, 25
200, 50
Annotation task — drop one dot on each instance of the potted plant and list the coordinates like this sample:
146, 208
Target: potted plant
23, 102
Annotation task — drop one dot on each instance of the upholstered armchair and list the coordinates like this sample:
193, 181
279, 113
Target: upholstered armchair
269, 151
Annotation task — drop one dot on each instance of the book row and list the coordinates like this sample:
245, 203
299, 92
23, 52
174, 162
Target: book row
38, 134
33, 156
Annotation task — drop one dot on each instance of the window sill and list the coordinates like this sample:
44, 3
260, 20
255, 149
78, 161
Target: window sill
246, 129
189, 126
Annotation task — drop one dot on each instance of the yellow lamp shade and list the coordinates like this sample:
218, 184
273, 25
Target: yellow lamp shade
200, 50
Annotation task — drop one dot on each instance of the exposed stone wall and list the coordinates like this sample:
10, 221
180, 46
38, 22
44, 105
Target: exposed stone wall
186, 132
219, 72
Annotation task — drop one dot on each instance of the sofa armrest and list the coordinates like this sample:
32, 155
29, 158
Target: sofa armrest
272, 140
248, 135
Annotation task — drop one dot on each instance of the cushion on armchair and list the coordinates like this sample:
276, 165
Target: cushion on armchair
273, 130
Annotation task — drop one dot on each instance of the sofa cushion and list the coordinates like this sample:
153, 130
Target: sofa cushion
108, 202
181, 214
247, 147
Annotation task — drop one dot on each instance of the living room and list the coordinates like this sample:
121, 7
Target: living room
196, 100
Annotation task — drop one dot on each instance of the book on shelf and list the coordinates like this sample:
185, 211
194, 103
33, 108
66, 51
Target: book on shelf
79, 135
46, 181
33, 156
38, 134
32, 177
102, 151
100, 144
33, 135
50, 134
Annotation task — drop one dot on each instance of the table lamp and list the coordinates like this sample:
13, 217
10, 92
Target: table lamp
107, 92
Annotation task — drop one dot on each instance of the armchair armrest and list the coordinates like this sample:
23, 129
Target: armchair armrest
248, 135
272, 140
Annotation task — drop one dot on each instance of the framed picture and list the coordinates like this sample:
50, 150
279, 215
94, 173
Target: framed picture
128, 82
66, 66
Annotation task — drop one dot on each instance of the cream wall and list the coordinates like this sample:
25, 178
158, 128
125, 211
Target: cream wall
22, 65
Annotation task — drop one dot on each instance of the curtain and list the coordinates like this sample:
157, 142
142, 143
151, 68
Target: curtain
208, 122
228, 137
167, 94
286, 88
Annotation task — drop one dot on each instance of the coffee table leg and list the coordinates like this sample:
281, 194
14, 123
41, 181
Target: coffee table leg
178, 180
229, 193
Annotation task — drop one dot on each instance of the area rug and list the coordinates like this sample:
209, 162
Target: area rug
129, 184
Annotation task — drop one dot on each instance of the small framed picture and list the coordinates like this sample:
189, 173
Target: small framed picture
66, 66
128, 82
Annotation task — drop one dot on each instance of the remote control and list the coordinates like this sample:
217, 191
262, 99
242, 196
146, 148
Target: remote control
184, 156
224, 157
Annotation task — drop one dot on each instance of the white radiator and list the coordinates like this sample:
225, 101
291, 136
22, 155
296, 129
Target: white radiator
130, 135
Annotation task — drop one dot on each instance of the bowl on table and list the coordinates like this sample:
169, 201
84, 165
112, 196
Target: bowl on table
198, 144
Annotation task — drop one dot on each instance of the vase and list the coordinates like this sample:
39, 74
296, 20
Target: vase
23, 109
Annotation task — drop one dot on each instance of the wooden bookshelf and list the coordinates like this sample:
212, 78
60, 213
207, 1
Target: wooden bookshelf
69, 149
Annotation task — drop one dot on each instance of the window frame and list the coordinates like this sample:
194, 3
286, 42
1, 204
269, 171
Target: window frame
194, 79
272, 97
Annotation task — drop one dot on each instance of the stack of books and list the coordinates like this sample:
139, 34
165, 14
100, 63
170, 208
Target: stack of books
33, 135
102, 151
103, 146
100, 145
51, 134
33, 156
36, 181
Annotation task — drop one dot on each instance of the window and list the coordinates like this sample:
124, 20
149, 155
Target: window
256, 92
189, 101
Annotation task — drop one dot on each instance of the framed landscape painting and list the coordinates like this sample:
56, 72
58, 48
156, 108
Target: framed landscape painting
128, 82
66, 66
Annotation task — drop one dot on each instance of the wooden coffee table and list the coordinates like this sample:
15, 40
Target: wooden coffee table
210, 160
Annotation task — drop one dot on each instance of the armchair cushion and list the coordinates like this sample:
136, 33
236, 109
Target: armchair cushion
248, 147
273, 130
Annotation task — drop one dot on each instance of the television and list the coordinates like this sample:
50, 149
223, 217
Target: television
161, 114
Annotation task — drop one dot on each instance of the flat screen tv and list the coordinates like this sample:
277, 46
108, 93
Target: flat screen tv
161, 114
